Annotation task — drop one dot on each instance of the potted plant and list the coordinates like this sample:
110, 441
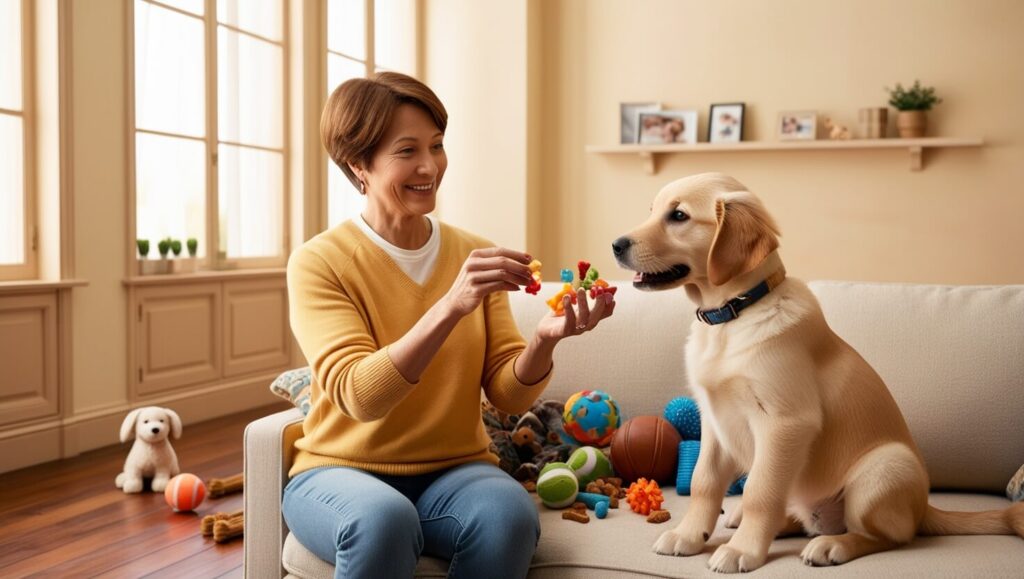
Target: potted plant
183, 264
143, 245
912, 104
193, 246
164, 246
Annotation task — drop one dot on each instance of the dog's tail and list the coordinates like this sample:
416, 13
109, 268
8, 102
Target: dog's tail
1002, 522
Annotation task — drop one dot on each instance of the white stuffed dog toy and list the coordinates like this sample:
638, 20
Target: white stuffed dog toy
151, 455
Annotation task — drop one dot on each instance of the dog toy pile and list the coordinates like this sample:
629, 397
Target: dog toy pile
223, 526
684, 415
589, 280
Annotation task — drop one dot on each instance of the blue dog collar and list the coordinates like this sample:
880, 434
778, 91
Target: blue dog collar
732, 308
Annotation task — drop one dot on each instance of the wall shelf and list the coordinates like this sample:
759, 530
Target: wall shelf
916, 147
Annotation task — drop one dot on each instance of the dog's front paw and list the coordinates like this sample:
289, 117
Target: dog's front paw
676, 542
132, 485
159, 484
731, 560
824, 551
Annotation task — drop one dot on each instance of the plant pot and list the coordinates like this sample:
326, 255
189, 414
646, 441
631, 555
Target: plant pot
911, 124
153, 266
183, 265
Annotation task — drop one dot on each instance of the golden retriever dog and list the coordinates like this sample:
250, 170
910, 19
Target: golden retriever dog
781, 396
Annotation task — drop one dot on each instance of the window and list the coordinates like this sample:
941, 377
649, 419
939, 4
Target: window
364, 36
17, 231
210, 155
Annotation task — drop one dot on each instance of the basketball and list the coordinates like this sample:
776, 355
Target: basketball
648, 447
185, 492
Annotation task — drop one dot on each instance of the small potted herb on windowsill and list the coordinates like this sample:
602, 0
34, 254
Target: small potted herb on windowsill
912, 103
146, 266
182, 264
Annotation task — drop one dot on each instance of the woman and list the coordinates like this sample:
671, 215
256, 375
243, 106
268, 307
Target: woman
403, 320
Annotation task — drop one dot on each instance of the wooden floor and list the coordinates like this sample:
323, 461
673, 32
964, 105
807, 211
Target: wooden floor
67, 519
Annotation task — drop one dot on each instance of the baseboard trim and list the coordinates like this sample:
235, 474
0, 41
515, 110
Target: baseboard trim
99, 427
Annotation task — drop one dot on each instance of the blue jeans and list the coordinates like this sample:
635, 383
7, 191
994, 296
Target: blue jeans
474, 515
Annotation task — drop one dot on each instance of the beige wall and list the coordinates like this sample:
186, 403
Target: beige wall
475, 59
844, 214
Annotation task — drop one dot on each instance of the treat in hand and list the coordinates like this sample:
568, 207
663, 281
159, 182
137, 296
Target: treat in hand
534, 286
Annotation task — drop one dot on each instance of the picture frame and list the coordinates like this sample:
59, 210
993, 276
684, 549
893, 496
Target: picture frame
797, 126
667, 127
629, 115
725, 123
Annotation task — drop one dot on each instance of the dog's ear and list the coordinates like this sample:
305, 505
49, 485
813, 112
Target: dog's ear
128, 426
175, 422
746, 234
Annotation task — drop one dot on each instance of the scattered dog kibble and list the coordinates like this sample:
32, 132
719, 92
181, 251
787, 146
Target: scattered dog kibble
578, 506
657, 517
530, 486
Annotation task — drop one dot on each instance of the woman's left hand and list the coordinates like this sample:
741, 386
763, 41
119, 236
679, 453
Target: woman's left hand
578, 319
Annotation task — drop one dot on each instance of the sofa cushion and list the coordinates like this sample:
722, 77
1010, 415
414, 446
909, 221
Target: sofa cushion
635, 355
620, 546
953, 358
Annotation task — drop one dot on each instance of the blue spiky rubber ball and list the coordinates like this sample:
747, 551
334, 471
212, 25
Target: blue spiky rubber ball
683, 413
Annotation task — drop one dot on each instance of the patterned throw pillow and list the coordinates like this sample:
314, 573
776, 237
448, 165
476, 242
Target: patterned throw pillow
293, 386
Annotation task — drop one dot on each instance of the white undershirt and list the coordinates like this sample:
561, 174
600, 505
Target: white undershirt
418, 264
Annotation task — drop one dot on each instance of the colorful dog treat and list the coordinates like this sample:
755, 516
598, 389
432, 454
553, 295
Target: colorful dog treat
658, 517
534, 286
589, 280
583, 267
644, 496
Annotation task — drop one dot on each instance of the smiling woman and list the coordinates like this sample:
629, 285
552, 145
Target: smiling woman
404, 320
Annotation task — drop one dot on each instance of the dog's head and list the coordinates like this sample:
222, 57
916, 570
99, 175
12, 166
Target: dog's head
706, 227
151, 424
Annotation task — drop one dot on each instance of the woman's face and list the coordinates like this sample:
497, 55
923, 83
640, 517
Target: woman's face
406, 169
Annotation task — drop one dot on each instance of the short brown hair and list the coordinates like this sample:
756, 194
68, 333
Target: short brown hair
360, 110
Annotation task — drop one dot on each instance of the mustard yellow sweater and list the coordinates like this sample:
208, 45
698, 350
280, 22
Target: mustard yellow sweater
348, 301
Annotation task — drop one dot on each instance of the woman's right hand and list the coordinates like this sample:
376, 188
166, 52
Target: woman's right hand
486, 271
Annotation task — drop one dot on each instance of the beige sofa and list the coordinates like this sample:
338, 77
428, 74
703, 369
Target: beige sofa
952, 356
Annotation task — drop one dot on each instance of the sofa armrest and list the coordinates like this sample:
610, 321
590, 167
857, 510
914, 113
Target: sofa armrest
269, 444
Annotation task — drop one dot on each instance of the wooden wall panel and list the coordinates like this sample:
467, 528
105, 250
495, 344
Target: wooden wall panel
257, 335
179, 337
28, 358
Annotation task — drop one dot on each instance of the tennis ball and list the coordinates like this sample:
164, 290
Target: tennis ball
557, 485
590, 464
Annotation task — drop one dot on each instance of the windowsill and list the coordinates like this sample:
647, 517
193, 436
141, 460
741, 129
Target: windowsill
32, 285
201, 276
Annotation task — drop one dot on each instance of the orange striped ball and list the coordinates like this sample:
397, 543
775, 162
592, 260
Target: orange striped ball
185, 492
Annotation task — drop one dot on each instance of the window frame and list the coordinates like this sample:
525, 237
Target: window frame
214, 259
370, 67
29, 269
